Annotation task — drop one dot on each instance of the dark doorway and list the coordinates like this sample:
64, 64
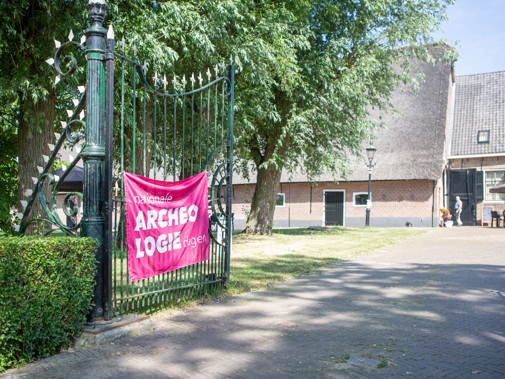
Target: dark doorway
463, 183
333, 208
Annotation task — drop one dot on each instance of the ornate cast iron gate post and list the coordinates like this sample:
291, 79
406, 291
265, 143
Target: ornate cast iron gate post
93, 223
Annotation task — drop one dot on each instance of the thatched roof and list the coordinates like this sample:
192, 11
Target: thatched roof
412, 144
479, 106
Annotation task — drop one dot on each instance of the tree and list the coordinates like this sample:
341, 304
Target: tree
308, 71
322, 65
8, 164
27, 33
28, 29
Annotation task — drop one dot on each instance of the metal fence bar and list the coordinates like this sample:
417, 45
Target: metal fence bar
134, 117
144, 128
174, 137
155, 103
165, 98
109, 205
192, 154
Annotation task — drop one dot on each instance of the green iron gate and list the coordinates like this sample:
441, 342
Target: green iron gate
170, 130
129, 121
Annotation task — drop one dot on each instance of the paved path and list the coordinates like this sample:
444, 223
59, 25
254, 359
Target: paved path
430, 307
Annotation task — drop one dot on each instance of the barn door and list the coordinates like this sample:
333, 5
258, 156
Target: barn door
333, 208
463, 183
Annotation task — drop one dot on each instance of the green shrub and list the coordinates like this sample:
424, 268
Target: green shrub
46, 290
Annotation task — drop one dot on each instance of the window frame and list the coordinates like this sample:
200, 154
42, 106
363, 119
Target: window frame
486, 187
283, 194
483, 133
354, 194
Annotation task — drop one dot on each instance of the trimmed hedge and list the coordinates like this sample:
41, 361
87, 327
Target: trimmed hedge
46, 290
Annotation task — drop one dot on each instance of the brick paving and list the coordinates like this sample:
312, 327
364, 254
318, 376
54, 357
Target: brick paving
432, 306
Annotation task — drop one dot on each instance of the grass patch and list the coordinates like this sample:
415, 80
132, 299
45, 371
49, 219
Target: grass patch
344, 359
260, 261
382, 364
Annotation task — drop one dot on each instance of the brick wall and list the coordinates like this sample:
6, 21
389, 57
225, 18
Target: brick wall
394, 203
482, 164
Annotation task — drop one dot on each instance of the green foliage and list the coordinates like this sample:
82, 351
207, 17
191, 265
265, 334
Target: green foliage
308, 71
46, 289
28, 29
27, 33
8, 163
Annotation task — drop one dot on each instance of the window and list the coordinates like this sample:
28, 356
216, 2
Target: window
359, 199
483, 136
492, 179
280, 200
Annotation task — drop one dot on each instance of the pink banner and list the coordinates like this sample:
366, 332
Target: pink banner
166, 224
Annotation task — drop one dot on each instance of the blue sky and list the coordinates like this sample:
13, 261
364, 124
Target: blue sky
477, 29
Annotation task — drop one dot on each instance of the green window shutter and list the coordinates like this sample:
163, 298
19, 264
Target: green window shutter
479, 186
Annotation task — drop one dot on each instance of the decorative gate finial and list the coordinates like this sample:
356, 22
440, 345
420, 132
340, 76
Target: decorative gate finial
96, 10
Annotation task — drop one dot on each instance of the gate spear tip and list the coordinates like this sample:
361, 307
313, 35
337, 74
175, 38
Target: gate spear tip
165, 82
110, 32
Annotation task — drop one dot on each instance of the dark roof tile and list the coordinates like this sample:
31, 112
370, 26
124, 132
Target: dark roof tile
479, 105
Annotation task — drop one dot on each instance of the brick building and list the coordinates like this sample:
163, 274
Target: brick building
446, 139
476, 151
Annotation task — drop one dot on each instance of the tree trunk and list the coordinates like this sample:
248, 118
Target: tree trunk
36, 130
260, 219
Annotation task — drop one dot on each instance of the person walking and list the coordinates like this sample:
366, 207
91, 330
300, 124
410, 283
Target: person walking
458, 208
